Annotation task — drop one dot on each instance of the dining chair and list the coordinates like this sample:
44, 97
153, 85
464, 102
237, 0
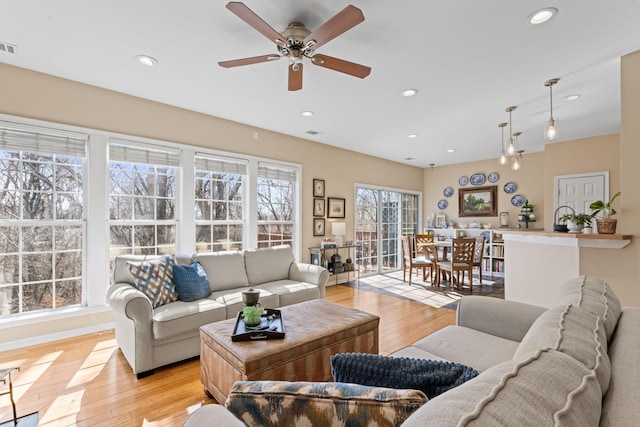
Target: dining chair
478, 254
462, 250
409, 262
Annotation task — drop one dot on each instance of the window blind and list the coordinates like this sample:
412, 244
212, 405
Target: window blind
220, 164
272, 171
121, 150
41, 140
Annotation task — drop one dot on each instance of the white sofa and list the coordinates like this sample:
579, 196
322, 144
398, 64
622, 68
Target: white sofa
150, 338
575, 364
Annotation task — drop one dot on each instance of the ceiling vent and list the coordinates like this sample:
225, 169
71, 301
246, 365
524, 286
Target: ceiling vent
8, 47
312, 132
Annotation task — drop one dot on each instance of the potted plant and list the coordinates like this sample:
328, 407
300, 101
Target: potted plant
575, 222
606, 224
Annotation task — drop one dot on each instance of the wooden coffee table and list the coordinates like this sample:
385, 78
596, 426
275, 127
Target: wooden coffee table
314, 330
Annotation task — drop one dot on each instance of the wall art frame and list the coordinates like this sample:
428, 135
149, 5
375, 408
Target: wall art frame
335, 207
318, 226
478, 201
318, 207
318, 187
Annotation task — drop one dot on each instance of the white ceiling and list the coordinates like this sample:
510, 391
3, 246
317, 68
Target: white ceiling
468, 59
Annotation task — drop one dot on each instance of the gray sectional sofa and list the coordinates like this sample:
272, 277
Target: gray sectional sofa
153, 337
574, 364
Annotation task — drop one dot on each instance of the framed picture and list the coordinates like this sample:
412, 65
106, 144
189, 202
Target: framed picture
318, 207
318, 187
335, 207
318, 226
440, 219
478, 201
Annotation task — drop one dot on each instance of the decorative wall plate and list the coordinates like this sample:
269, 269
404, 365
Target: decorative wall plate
448, 192
442, 204
493, 177
478, 179
463, 180
510, 187
517, 200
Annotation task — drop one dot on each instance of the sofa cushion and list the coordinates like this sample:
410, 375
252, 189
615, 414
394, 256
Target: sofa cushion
547, 388
191, 282
225, 270
574, 331
432, 377
594, 295
180, 317
291, 291
468, 347
320, 404
268, 264
155, 279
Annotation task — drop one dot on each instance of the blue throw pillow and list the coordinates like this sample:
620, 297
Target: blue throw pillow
191, 282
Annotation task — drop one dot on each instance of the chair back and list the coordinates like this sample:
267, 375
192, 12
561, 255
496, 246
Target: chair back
406, 250
479, 250
462, 250
420, 240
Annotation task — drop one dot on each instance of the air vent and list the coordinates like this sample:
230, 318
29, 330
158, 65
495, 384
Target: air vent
8, 48
312, 132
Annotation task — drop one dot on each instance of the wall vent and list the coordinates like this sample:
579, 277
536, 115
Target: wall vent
8, 48
312, 132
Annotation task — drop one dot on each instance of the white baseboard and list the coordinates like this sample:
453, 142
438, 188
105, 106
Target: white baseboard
41, 339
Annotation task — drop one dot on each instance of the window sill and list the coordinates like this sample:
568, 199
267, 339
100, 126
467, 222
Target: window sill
13, 321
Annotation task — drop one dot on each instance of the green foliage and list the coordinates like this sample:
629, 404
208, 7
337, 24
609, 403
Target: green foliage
252, 314
579, 219
606, 209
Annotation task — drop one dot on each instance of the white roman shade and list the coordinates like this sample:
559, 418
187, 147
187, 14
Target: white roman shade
273, 171
228, 165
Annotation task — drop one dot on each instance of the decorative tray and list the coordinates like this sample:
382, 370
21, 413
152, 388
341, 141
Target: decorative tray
271, 327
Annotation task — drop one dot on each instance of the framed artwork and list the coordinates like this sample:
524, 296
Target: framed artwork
440, 219
335, 207
318, 207
478, 201
318, 226
318, 187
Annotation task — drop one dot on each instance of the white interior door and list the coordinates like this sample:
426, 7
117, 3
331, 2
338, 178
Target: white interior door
578, 191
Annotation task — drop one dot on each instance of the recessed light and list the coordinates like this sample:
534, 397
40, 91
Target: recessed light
409, 92
451, 150
412, 135
147, 60
409, 158
570, 98
541, 16
307, 113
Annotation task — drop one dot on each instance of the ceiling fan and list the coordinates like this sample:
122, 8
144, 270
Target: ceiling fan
296, 43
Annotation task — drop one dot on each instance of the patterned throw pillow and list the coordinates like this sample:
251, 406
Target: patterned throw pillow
191, 282
155, 280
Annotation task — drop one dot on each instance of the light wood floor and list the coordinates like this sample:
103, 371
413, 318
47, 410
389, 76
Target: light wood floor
85, 381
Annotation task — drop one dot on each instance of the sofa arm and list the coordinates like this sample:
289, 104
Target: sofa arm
310, 273
212, 415
126, 299
502, 318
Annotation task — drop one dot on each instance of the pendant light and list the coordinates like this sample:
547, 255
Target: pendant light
550, 129
516, 163
511, 148
503, 155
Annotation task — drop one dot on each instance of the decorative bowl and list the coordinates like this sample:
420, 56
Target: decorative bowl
462, 226
486, 226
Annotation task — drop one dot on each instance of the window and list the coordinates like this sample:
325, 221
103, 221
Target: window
276, 202
142, 198
42, 229
219, 197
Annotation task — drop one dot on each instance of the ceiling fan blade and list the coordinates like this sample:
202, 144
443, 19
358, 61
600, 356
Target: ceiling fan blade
295, 77
247, 61
248, 16
348, 18
341, 65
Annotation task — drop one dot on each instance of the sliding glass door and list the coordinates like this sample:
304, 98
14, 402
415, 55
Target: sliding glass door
382, 216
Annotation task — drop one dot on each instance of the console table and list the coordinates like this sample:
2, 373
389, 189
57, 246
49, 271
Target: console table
325, 257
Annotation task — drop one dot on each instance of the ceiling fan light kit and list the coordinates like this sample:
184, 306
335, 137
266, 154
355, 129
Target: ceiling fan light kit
296, 43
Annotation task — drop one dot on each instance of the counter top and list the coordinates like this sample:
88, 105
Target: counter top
541, 232
606, 241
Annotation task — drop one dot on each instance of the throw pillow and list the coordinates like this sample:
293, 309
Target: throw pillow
155, 279
320, 404
191, 282
432, 377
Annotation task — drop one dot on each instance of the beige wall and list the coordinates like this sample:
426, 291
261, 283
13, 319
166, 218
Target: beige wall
529, 180
39, 96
